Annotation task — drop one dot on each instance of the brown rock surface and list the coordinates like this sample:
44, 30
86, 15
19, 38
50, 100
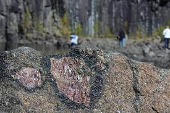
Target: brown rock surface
82, 81
118, 94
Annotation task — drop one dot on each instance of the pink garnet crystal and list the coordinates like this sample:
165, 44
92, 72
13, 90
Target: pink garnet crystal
29, 77
70, 81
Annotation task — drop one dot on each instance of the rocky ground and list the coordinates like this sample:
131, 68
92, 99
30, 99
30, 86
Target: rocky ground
151, 51
146, 50
81, 81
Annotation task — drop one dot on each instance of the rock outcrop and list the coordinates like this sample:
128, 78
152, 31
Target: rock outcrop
134, 15
83, 80
151, 51
24, 21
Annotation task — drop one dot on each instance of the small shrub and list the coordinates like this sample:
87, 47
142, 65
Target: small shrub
107, 33
138, 36
79, 29
126, 24
38, 25
97, 28
65, 30
26, 24
158, 31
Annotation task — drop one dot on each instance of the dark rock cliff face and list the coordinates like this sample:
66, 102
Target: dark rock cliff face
27, 18
144, 15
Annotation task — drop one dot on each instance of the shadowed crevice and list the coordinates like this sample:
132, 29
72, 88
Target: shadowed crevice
3, 55
135, 84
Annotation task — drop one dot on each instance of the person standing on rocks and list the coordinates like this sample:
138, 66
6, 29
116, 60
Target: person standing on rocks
73, 40
122, 38
166, 34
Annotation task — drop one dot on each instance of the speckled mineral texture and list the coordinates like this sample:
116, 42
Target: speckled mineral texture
154, 89
24, 66
118, 94
81, 81
29, 77
73, 83
79, 77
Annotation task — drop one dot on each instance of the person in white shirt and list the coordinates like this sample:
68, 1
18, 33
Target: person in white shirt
73, 40
166, 34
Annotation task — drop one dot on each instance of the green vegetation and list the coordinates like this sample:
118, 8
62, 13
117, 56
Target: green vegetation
126, 26
118, 23
108, 33
26, 24
79, 29
158, 31
138, 35
97, 28
38, 25
65, 31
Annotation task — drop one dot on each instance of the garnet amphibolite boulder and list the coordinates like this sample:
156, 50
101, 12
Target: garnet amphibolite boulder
83, 80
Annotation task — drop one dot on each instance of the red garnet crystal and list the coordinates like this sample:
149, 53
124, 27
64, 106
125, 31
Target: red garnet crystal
29, 77
70, 81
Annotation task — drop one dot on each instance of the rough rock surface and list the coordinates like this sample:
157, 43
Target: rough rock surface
40, 19
29, 77
70, 80
83, 80
150, 51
